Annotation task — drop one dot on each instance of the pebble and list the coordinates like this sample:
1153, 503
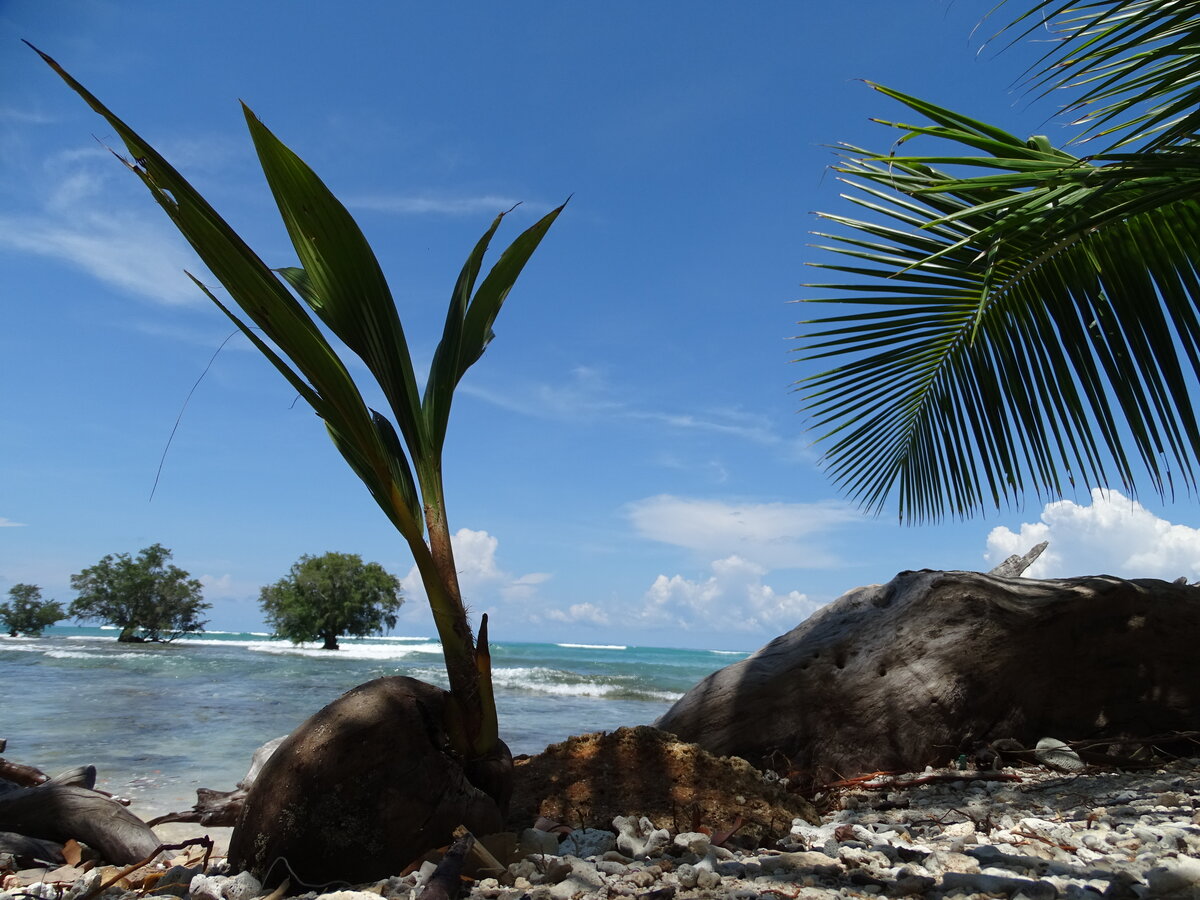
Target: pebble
1081, 835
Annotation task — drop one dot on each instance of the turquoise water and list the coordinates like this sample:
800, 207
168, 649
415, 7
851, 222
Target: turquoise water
160, 721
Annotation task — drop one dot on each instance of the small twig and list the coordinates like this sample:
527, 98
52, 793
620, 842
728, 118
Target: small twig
1045, 840
205, 841
782, 893
864, 781
720, 837
857, 780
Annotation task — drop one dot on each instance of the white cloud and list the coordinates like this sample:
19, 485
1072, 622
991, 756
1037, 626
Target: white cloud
731, 422
525, 587
776, 535
426, 204
479, 574
83, 222
585, 393
226, 587
128, 252
734, 597
1112, 536
584, 613
9, 523
25, 116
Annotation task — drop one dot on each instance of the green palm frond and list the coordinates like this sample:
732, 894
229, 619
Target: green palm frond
1023, 330
1132, 66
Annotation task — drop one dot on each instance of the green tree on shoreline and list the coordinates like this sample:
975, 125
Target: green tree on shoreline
27, 613
1020, 317
148, 599
324, 597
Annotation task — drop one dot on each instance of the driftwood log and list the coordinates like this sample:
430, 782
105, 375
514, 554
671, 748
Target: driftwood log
360, 790
66, 807
898, 676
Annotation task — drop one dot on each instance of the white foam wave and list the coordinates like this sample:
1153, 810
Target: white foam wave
729, 652
80, 654
568, 684
22, 646
593, 646
347, 651
395, 637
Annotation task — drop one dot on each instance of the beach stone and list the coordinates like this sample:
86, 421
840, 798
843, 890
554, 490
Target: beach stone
638, 837
242, 886
581, 878
1180, 876
979, 883
39, 890
1057, 755
206, 887
898, 676
585, 842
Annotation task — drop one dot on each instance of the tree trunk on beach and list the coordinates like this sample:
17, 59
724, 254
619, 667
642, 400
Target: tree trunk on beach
331, 641
58, 811
911, 673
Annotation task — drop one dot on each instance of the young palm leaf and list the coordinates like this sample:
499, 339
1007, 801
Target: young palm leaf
340, 280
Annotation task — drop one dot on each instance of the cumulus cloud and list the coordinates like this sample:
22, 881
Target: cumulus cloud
1113, 536
775, 535
479, 573
734, 597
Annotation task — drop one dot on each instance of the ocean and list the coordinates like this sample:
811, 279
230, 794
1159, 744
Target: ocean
160, 721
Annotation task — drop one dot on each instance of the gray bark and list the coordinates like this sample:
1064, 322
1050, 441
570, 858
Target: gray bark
1015, 565
58, 812
911, 673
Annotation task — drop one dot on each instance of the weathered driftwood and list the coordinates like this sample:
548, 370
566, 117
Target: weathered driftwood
894, 677
57, 811
215, 809
359, 790
1015, 565
31, 851
21, 775
446, 881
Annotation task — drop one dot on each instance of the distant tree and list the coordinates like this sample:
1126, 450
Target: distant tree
27, 613
145, 597
324, 597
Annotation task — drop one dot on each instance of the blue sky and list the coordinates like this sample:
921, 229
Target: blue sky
626, 463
